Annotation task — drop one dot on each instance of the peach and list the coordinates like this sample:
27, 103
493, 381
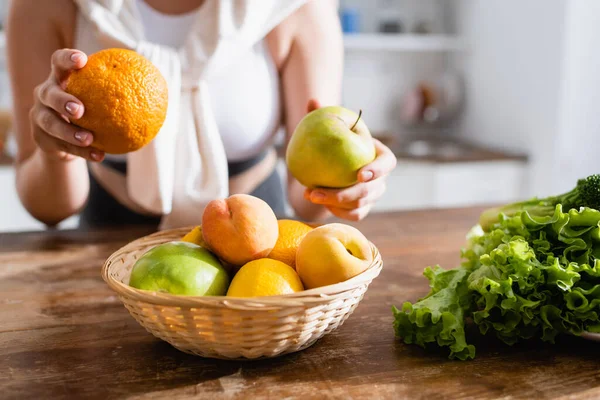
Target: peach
332, 253
240, 228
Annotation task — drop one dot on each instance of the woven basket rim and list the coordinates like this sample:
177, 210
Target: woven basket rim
299, 299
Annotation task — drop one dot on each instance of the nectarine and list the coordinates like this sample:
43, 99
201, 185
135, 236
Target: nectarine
240, 228
332, 253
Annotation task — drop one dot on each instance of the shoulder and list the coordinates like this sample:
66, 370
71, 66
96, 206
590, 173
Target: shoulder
49, 9
306, 24
314, 12
39, 18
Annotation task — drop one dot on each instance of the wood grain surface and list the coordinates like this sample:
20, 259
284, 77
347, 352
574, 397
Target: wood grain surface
64, 334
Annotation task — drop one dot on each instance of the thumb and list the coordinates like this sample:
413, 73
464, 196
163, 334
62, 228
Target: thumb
313, 104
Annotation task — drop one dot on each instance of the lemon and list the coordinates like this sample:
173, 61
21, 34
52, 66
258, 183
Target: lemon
264, 277
195, 236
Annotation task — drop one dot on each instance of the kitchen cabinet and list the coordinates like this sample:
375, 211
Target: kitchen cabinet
416, 184
449, 172
375, 42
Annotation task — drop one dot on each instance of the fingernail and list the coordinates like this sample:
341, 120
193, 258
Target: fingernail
96, 155
82, 136
317, 196
366, 175
72, 107
75, 57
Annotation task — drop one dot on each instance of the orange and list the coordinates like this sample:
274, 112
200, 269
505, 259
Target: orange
264, 277
124, 97
195, 236
291, 234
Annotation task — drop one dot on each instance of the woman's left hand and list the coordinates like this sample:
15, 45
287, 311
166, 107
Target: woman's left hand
354, 202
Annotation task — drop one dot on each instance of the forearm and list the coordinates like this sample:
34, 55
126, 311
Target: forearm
313, 71
52, 190
304, 209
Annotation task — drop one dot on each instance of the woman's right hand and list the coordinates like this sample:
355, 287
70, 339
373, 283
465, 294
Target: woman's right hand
53, 108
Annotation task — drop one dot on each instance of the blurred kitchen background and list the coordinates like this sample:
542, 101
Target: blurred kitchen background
483, 101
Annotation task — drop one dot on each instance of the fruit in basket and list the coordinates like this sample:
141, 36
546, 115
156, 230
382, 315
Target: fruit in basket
195, 236
240, 228
332, 253
180, 268
291, 233
125, 99
328, 147
264, 277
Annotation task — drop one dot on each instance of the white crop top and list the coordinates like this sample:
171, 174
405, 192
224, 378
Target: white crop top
244, 98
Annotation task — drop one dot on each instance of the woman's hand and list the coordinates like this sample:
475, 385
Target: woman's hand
354, 202
52, 109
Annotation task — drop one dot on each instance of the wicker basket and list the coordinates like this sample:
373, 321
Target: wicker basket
234, 328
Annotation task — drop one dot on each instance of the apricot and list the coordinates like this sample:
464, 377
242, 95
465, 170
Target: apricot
239, 228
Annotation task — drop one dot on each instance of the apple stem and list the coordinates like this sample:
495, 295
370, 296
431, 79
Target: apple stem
359, 114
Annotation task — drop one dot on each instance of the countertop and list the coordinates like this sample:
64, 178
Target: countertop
440, 150
64, 333
446, 150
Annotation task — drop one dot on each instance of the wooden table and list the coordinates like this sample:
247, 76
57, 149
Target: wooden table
64, 334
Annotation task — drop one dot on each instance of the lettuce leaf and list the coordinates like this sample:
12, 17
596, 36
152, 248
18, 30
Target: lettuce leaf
439, 317
528, 277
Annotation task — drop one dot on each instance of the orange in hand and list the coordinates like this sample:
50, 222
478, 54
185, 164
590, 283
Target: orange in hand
125, 99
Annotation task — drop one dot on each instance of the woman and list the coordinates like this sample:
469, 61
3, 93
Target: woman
293, 68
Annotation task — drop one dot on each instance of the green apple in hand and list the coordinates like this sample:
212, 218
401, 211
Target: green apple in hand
328, 147
180, 268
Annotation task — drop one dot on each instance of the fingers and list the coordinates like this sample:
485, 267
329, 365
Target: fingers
384, 163
312, 105
65, 60
349, 196
51, 123
355, 202
62, 149
355, 196
51, 95
54, 135
53, 108
356, 214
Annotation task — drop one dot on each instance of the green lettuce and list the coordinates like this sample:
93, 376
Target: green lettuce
439, 317
525, 277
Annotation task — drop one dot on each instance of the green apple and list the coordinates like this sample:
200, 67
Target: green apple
180, 268
328, 147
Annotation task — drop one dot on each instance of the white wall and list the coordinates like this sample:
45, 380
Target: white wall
513, 70
578, 145
376, 81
